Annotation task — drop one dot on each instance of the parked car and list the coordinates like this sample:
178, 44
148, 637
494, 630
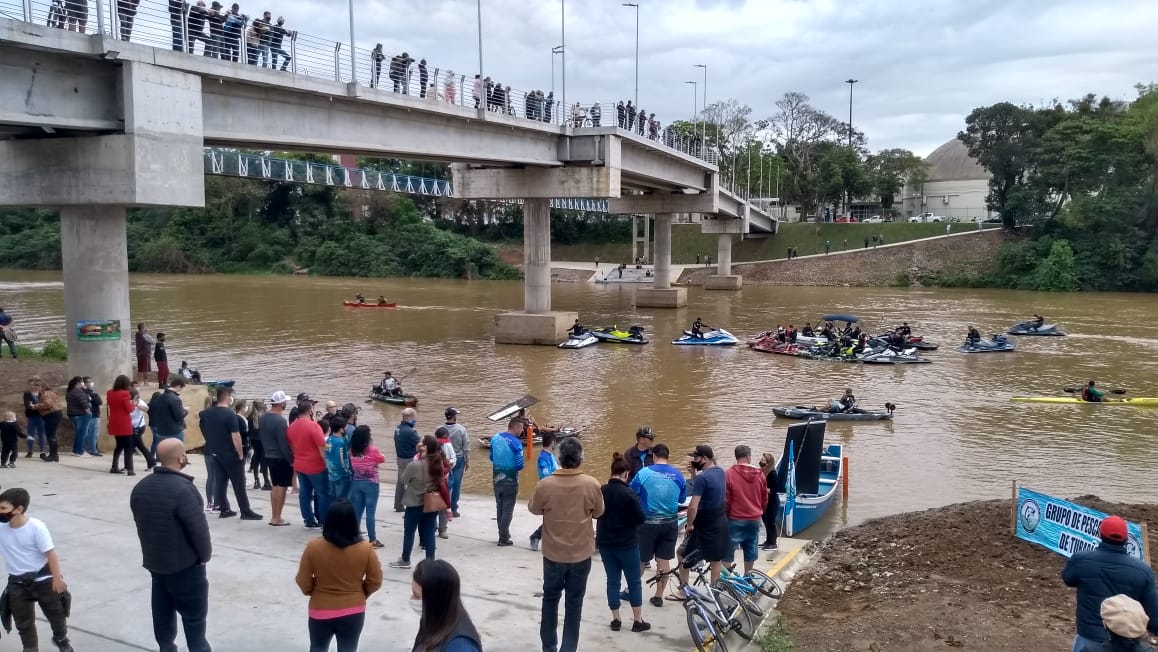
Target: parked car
875, 219
846, 219
926, 217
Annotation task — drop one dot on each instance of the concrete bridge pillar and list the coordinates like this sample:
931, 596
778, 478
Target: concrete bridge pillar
536, 324
96, 292
662, 294
723, 279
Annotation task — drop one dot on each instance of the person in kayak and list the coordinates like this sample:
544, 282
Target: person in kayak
359, 298
973, 336
577, 329
390, 385
698, 327
848, 401
1091, 394
382, 300
807, 330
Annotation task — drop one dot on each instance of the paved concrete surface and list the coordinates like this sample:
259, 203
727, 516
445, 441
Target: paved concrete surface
254, 602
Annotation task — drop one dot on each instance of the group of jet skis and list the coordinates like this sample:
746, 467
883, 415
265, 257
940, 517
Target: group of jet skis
847, 344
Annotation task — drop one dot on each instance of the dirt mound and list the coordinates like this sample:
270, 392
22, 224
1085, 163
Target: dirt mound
948, 577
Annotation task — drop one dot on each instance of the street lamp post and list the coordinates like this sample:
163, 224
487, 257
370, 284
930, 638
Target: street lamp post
695, 105
558, 49
563, 54
704, 137
848, 192
636, 5
480, 59
353, 69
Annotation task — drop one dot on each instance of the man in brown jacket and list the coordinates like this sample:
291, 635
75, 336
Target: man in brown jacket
568, 500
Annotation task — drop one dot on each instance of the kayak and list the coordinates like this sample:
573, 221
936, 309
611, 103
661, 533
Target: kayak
408, 400
579, 342
805, 412
995, 345
537, 439
1140, 401
611, 334
1027, 328
355, 304
718, 337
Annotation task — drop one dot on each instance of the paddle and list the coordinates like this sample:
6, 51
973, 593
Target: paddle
1078, 390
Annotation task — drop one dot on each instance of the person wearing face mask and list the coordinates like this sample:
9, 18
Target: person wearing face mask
175, 546
405, 448
706, 532
34, 575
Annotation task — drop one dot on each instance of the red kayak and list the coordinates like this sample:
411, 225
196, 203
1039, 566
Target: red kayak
355, 304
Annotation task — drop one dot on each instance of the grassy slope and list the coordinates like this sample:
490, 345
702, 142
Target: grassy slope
687, 241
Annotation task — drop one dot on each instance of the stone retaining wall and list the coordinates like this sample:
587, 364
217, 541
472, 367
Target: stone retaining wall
905, 263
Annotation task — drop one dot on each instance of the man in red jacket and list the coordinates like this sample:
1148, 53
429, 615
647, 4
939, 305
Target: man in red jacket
745, 496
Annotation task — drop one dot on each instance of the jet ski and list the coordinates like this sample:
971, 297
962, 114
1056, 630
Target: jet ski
915, 341
718, 337
772, 345
892, 356
1029, 328
579, 341
857, 414
633, 335
995, 344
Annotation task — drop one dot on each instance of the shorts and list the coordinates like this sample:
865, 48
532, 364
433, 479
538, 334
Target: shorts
143, 364
281, 473
657, 540
746, 535
77, 9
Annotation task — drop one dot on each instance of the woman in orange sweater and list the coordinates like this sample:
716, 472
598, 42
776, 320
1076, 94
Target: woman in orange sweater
120, 406
338, 571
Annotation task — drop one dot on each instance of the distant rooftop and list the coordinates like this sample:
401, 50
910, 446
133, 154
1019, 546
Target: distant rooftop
951, 162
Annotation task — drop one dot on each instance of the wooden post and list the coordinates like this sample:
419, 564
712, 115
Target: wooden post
844, 467
1145, 543
1013, 511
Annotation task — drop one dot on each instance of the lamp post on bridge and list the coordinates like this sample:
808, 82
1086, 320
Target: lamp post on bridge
480, 58
636, 5
558, 49
353, 68
704, 137
695, 104
563, 54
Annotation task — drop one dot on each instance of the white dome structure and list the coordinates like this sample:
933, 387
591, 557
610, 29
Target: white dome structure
955, 186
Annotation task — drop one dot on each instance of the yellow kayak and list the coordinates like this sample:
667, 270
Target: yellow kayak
1141, 401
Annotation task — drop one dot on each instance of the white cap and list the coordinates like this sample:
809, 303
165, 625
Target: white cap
278, 397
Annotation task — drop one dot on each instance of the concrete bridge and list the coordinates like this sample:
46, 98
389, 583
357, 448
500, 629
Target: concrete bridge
92, 125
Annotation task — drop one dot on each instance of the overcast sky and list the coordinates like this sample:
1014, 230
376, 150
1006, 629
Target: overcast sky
922, 64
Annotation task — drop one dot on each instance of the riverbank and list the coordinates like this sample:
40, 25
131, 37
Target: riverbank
948, 577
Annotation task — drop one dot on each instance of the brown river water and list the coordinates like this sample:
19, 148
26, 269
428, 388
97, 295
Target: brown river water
956, 435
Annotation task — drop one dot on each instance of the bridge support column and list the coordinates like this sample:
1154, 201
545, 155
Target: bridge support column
536, 324
662, 294
95, 254
723, 279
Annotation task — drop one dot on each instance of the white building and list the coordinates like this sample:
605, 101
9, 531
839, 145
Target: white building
956, 186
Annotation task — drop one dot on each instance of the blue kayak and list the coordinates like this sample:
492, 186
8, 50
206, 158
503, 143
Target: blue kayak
718, 337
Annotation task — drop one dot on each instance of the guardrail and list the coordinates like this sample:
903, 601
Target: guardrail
200, 30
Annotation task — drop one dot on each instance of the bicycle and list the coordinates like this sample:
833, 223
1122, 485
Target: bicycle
737, 586
711, 612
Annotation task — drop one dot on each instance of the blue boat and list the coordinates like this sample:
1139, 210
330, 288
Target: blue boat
717, 337
810, 475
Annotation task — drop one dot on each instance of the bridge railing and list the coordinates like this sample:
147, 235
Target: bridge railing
188, 27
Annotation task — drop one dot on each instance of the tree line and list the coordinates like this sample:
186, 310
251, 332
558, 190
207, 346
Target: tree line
1077, 180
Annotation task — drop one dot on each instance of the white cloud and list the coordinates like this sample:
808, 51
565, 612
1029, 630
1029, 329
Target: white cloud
922, 64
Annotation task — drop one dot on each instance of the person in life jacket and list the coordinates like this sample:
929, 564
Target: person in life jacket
1091, 394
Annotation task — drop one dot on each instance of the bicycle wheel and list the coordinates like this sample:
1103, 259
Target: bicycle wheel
704, 632
765, 584
739, 618
743, 595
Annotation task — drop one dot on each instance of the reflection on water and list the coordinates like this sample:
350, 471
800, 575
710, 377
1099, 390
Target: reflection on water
956, 435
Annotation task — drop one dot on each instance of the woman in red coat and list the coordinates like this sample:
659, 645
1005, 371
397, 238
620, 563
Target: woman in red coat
120, 407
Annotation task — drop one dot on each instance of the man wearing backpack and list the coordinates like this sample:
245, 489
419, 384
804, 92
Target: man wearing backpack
506, 454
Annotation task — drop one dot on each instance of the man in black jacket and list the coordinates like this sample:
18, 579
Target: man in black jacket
167, 414
175, 546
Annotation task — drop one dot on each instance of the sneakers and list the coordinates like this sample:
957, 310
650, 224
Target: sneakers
210, 507
252, 516
615, 625
76, 454
227, 513
28, 454
768, 546
63, 645
507, 542
266, 487
624, 595
640, 626
377, 544
312, 524
455, 514
400, 563
443, 535
656, 601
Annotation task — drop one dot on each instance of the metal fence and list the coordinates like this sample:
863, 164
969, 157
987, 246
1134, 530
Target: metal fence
201, 30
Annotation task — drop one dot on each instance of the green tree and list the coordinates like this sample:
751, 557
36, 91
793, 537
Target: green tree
1057, 273
1003, 138
890, 169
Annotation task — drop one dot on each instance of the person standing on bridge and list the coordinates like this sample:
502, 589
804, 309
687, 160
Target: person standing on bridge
596, 114
216, 20
476, 90
126, 12
621, 115
630, 110
449, 89
423, 78
376, 59
277, 36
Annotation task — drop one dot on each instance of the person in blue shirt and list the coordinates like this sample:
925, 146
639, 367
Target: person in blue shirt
706, 532
661, 488
506, 455
338, 459
547, 465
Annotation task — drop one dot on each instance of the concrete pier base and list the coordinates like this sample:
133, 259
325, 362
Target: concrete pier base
726, 282
525, 328
661, 297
